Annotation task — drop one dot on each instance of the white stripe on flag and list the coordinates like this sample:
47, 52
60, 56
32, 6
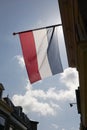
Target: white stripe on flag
41, 44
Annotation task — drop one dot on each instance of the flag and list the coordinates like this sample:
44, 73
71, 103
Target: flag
41, 53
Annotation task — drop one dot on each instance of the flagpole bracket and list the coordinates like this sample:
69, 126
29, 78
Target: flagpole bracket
14, 33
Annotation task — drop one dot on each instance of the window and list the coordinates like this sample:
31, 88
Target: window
11, 128
2, 123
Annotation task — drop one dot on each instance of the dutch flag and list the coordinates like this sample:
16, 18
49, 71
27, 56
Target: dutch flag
41, 53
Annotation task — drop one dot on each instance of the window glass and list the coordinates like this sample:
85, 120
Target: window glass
2, 121
11, 128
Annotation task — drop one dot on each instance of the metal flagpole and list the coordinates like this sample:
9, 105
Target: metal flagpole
37, 29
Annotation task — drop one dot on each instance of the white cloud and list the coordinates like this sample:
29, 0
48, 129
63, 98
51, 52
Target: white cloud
70, 78
55, 126
20, 60
30, 103
46, 102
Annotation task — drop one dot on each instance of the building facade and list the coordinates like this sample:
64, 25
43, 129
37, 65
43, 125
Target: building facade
74, 21
12, 117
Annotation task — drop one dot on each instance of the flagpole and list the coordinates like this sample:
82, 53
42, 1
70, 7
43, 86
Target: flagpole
37, 29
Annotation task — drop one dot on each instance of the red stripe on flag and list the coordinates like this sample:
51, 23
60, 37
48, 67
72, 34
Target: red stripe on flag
30, 56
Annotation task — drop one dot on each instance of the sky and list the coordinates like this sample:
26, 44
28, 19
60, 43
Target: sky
46, 101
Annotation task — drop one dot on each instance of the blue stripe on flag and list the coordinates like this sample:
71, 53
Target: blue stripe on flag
53, 51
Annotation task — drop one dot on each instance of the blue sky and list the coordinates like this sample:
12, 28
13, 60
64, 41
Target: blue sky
46, 101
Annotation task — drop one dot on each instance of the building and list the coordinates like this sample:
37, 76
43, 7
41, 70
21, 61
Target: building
74, 21
12, 117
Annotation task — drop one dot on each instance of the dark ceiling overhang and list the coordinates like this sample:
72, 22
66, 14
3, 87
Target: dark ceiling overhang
83, 11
